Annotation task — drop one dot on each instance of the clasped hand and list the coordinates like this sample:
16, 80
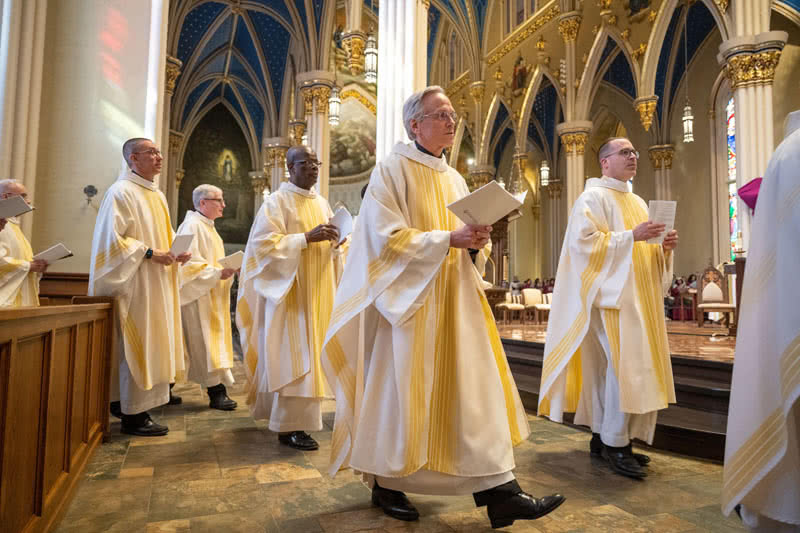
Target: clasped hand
323, 232
470, 236
166, 258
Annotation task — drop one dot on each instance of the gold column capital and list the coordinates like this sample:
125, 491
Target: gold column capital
575, 142
321, 93
646, 106
476, 90
661, 155
308, 100
554, 190
755, 68
353, 43
175, 141
568, 27
173, 70
296, 130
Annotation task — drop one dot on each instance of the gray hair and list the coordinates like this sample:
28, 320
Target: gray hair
130, 146
201, 192
412, 109
5, 184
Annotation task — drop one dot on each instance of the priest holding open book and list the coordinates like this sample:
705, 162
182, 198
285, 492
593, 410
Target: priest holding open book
133, 262
286, 292
206, 299
606, 357
425, 400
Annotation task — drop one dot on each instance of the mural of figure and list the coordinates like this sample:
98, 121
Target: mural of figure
227, 169
337, 36
519, 75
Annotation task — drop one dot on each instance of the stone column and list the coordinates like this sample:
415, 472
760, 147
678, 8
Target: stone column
275, 149
476, 91
750, 63
402, 62
480, 175
22, 35
555, 230
354, 39
259, 181
574, 136
316, 88
661, 159
179, 174
172, 185
568, 26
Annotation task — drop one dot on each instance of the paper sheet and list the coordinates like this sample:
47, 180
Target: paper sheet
181, 244
662, 212
54, 253
486, 205
13, 206
343, 220
233, 261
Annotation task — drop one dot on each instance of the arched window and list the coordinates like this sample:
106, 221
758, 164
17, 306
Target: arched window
517, 12
453, 67
733, 216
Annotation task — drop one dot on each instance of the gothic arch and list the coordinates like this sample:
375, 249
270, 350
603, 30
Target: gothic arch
530, 96
483, 151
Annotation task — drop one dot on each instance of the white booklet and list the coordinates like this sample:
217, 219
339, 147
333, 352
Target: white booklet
233, 261
662, 212
343, 220
54, 253
181, 244
14, 206
486, 205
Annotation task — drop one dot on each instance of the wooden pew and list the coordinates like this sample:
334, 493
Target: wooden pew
54, 388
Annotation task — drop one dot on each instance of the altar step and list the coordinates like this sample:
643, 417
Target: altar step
694, 426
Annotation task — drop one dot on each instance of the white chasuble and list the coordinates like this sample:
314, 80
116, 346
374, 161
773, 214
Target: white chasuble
762, 447
205, 301
602, 267
18, 285
132, 218
421, 380
286, 291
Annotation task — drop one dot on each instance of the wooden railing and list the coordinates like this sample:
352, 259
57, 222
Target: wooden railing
54, 387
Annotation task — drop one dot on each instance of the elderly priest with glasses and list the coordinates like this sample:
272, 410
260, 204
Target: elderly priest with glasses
286, 292
425, 400
131, 261
606, 357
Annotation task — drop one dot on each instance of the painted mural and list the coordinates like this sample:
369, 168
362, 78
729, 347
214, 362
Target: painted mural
218, 154
353, 141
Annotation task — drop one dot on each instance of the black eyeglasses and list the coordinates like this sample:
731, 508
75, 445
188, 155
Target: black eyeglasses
627, 152
309, 163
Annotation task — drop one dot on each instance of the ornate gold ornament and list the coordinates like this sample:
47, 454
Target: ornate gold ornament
179, 174
308, 100
321, 94
353, 44
752, 69
604, 4
640, 50
626, 33
661, 156
350, 93
173, 70
722, 5
296, 129
568, 28
554, 190
520, 35
458, 84
175, 140
646, 108
476, 91
651, 17
541, 44
612, 20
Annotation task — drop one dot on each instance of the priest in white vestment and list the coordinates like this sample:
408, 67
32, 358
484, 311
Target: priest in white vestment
286, 292
206, 299
606, 356
131, 261
19, 271
762, 446
425, 400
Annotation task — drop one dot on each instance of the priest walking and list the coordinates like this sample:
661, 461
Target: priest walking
19, 271
206, 299
606, 329
286, 292
131, 261
425, 400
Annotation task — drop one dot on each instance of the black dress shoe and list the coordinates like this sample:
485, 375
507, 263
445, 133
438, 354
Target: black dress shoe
115, 409
622, 462
521, 506
173, 400
142, 425
596, 449
394, 503
299, 440
218, 398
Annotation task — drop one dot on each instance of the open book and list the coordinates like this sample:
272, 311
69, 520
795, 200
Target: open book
14, 206
181, 244
53, 254
343, 221
233, 261
487, 205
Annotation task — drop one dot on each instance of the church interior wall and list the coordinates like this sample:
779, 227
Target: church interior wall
94, 87
786, 88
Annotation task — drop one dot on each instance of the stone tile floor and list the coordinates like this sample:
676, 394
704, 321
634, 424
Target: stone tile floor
225, 472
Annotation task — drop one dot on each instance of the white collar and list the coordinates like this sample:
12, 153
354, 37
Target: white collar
608, 183
410, 151
289, 186
200, 216
130, 175
13, 220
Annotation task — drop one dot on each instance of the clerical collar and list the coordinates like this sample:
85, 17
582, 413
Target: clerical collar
426, 151
413, 152
308, 193
130, 175
608, 183
200, 216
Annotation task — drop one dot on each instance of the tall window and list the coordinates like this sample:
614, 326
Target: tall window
732, 196
454, 67
517, 12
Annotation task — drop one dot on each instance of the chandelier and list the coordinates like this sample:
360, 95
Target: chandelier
544, 174
371, 60
334, 106
688, 118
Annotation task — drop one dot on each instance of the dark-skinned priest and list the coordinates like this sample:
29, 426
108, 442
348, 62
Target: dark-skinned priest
425, 400
286, 290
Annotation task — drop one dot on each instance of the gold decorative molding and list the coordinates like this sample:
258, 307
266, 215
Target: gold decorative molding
554, 190
652, 16
541, 44
626, 33
612, 20
568, 28
296, 130
461, 82
646, 107
308, 100
175, 140
575, 142
352, 93
259, 183
638, 53
179, 174
173, 70
752, 69
595, 29
661, 156
476, 91
353, 44
722, 5
479, 178
321, 94
521, 34
604, 4
276, 156
426, 3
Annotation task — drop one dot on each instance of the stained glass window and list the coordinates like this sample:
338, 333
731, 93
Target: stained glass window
732, 196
